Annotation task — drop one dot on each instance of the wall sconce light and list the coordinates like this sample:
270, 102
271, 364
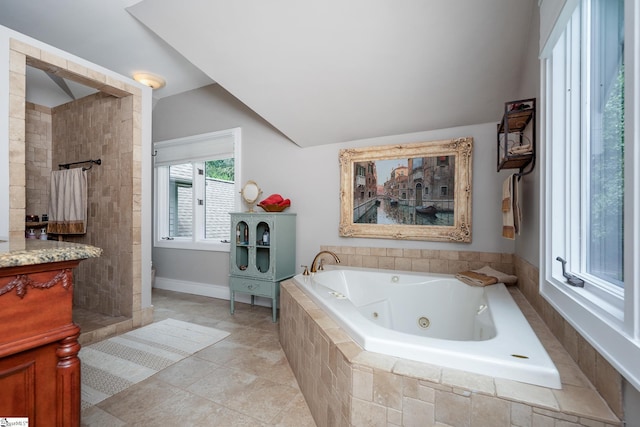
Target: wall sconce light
151, 80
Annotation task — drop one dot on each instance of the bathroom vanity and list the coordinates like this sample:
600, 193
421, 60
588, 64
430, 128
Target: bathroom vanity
39, 365
263, 253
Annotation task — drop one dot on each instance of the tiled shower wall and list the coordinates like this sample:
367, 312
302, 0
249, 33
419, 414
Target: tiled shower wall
600, 373
101, 127
37, 158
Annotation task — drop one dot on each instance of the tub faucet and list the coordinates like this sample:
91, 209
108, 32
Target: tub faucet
314, 268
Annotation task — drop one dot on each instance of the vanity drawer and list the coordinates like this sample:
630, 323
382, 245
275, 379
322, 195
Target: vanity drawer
254, 287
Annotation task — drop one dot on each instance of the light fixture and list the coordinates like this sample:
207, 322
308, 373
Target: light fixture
151, 80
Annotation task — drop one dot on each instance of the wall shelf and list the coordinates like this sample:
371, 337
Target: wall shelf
516, 136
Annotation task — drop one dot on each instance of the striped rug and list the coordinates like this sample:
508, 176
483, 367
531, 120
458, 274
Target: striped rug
112, 365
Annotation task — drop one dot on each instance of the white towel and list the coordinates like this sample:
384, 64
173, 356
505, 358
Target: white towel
68, 202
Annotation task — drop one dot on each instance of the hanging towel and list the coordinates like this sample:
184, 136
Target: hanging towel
68, 202
508, 224
517, 213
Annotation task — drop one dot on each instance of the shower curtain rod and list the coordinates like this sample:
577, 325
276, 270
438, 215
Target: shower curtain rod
66, 165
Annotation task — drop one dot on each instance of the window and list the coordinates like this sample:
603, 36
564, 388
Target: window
196, 186
588, 193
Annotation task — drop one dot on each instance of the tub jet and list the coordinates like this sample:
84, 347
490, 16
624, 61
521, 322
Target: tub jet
424, 322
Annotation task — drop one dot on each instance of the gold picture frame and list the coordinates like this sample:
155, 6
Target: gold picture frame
427, 196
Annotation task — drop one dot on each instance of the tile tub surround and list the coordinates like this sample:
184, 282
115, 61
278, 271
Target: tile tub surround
345, 385
600, 373
420, 260
21, 251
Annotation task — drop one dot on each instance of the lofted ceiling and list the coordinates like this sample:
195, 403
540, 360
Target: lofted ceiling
320, 72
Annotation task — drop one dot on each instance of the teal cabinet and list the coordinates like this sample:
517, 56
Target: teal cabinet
263, 253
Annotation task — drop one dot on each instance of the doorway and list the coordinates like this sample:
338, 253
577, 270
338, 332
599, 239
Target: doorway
116, 277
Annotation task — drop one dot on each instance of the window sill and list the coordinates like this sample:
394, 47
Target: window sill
193, 246
603, 329
608, 309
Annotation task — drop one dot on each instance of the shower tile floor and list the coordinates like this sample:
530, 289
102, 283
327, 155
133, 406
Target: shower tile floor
90, 321
243, 380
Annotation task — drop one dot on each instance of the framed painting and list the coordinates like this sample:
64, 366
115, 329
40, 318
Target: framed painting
416, 191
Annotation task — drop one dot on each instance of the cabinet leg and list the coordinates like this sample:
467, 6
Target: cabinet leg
68, 381
253, 300
275, 310
232, 300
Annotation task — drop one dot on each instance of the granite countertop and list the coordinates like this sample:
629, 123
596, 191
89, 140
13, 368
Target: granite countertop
32, 251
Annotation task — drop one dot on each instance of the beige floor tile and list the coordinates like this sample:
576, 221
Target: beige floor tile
95, 416
281, 373
134, 403
223, 384
223, 352
183, 409
255, 361
263, 400
243, 380
186, 372
225, 417
295, 414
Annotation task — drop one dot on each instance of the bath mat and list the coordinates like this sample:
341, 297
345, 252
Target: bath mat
112, 365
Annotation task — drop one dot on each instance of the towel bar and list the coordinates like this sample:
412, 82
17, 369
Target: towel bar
66, 165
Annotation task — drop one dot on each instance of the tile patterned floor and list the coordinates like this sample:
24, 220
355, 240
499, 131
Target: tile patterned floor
243, 380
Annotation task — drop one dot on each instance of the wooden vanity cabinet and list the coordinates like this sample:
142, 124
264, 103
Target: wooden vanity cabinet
39, 365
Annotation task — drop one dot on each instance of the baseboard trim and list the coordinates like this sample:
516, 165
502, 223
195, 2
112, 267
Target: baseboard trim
206, 290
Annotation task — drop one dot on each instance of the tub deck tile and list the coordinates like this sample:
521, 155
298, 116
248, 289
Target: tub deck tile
375, 360
421, 371
526, 393
338, 335
473, 382
584, 402
350, 349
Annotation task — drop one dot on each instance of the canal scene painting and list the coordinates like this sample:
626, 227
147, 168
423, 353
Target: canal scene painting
418, 191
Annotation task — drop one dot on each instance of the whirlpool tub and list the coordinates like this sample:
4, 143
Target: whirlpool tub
433, 318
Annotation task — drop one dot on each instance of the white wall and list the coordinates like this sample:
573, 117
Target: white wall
528, 243
310, 178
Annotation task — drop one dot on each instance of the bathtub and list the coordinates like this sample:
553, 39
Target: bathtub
433, 318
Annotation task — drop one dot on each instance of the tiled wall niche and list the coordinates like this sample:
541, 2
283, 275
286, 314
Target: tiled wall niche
606, 380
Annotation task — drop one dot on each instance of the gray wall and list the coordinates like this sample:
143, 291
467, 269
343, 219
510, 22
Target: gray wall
528, 243
310, 178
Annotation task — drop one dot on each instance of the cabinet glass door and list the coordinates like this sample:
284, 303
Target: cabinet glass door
263, 248
242, 245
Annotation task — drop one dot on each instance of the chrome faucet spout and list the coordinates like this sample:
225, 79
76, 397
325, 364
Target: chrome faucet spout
315, 268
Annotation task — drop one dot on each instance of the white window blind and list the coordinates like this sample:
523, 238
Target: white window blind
208, 146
